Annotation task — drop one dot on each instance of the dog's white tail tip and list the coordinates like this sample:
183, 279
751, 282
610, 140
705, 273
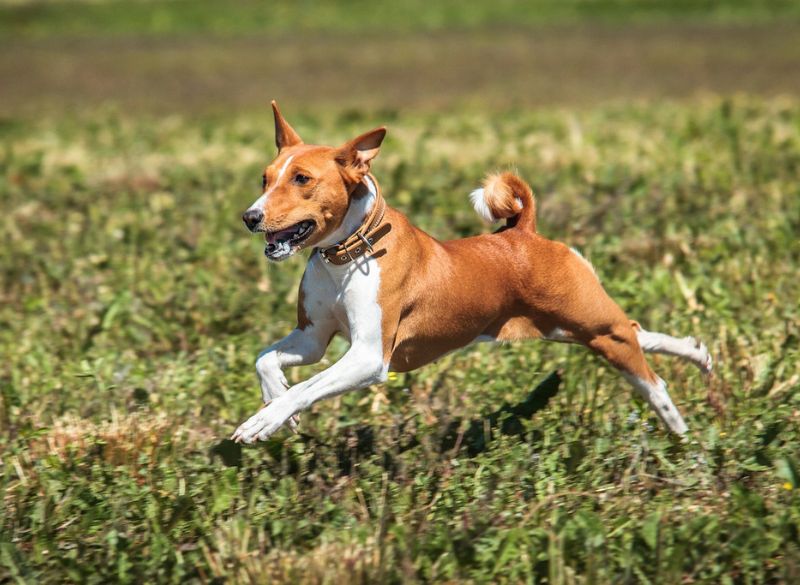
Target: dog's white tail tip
481, 207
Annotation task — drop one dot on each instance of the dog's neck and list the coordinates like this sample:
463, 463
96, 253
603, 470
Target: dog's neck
361, 202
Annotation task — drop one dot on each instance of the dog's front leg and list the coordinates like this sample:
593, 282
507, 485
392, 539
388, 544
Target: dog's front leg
359, 367
300, 348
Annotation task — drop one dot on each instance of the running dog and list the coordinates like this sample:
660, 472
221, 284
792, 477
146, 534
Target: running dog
403, 298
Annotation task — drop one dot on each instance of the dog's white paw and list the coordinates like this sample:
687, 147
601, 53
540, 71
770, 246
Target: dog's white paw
708, 365
262, 425
704, 361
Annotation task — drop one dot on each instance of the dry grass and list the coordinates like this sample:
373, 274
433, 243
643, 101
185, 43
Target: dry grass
243, 555
119, 441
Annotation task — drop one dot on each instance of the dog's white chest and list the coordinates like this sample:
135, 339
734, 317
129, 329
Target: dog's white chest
348, 294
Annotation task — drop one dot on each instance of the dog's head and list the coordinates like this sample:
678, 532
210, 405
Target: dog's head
307, 189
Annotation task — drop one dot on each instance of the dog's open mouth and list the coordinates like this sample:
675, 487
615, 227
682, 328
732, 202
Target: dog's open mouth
284, 243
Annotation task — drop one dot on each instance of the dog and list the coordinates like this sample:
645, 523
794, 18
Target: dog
403, 299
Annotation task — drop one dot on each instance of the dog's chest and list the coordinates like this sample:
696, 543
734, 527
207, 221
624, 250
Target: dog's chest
348, 294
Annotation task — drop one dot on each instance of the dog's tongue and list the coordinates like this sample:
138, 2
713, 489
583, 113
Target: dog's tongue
273, 237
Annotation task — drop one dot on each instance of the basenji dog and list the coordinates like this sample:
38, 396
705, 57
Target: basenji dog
403, 298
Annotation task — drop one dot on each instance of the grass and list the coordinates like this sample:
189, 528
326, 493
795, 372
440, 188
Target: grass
490, 68
133, 304
204, 56
76, 18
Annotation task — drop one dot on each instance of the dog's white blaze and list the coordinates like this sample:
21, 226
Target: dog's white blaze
657, 397
283, 170
259, 203
687, 348
262, 201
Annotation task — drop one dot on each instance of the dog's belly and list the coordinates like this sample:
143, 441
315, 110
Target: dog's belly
439, 319
415, 352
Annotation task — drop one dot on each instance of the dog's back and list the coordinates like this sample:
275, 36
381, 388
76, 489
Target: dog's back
509, 285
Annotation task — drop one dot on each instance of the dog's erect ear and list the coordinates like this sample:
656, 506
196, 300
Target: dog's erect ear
355, 156
284, 134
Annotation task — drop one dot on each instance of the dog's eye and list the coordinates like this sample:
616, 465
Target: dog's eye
301, 179
263, 181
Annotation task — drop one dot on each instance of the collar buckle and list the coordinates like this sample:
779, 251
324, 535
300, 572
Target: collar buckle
367, 243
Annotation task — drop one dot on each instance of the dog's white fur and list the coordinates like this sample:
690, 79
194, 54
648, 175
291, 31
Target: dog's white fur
339, 298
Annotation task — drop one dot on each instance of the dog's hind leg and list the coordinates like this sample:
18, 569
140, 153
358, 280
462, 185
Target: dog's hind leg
621, 348
687, 348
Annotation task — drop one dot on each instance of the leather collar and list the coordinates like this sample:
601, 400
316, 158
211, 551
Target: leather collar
363, 239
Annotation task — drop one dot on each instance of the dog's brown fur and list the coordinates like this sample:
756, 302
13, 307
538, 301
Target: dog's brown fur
435, 296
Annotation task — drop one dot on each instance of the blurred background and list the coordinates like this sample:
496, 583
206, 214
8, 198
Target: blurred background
204, 55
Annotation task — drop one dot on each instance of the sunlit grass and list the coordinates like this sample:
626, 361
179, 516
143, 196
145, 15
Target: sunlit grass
133, 304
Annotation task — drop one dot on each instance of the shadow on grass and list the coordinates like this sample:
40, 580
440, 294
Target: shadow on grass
473, 436
507, 420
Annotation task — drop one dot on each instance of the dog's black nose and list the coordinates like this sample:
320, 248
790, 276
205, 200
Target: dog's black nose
252, 217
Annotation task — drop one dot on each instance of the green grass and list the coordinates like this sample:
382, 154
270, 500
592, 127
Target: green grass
133, 304
178, 17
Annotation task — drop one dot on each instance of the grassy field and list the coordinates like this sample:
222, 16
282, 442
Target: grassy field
154, 18
662, 140
204, 56
133, 305
493, 69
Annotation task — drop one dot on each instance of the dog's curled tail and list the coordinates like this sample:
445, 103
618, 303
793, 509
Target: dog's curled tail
505, 196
